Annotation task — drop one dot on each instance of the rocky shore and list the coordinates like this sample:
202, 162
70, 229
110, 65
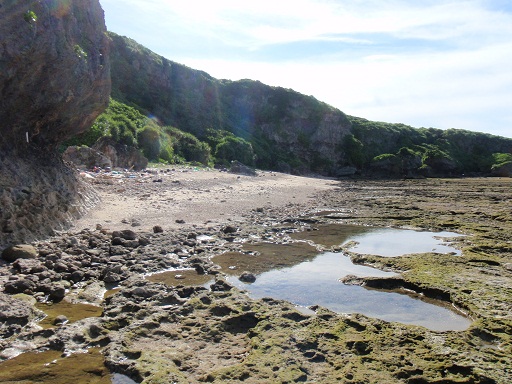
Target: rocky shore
180, 218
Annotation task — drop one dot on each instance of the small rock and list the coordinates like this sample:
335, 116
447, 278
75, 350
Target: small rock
180, 221
247, 277
126, 234
117, 241
60, 320
131, 243
57, 293
229, 229
143, 241
27, 266
20, 286
77, 276
20, 251
220, 285
158, 229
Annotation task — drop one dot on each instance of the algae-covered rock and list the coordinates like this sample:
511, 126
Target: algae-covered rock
20, 251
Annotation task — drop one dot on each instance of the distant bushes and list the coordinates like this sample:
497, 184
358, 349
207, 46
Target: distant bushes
401, 149
167, 144
370, 148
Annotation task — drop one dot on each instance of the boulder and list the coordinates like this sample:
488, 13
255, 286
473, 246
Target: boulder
241, 169
20, 251
346, 171
14, 313
28, 266
125, 234
20, 286
502, 170
228, 229
121, 155
86, 158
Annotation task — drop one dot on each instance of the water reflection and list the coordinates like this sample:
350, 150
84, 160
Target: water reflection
263, 257
386, 242
316, 282
330, 235
391, 242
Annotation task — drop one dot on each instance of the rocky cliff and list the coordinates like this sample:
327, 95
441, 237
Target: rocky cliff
287, 129
54, 81
291, 132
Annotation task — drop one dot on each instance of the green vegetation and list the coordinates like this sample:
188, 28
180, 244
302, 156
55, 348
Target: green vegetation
30, 17
158, 143
231, 148
429, 151
202, 119
80, 51
188, 148
501, 159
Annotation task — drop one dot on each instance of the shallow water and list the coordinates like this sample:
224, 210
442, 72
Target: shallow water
176, 277
388, 242
117, 378
391, 242
50, 367
73, 312
317, 282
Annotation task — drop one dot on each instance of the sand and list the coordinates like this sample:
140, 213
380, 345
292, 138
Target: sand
195, 197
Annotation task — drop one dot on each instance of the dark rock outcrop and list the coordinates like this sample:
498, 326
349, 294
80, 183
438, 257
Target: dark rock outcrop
14, 314
85, 157
242, 169
502, 170
120, 155
54, 81
54, 71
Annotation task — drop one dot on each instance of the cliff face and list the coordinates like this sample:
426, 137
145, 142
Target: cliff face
54, 70
284, 126
289, 131
54, 81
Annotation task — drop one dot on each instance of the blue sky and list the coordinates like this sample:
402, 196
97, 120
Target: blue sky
428, 63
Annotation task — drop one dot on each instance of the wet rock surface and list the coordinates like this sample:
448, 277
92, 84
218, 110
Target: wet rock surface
161, 333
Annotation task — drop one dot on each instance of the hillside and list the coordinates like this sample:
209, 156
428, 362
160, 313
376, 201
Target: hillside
289, 131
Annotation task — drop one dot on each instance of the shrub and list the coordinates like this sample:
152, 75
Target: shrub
149, 141
234, 148
188, 147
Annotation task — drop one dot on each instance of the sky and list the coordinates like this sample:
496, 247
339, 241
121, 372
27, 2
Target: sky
425, 63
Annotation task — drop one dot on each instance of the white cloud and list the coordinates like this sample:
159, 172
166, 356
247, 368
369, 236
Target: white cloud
429, 63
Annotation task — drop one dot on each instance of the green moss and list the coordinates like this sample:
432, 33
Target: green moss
30, 17
79, 51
